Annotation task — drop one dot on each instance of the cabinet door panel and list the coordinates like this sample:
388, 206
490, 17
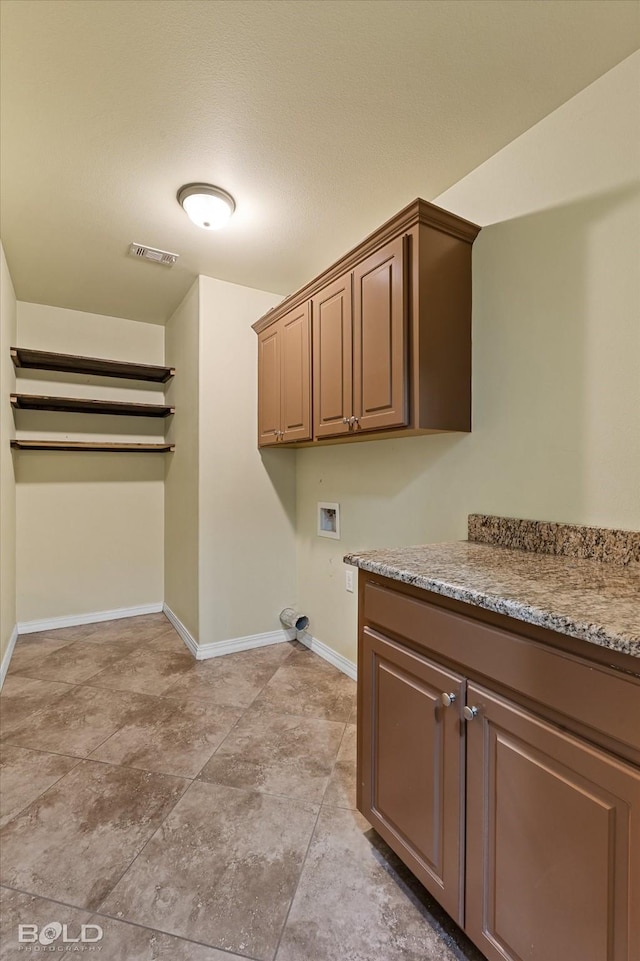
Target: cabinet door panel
410, 768
549, 831
332, 358
269, 395
380, 339
296, 374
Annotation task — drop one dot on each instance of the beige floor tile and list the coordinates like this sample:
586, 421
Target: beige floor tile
169, 737
32, 648
66, 635
310, 689
117, 941
147, 672
77, 839
23, 697
341, 790
234, 680
222, 869
79, 661
167, 640
25, 775
79, 723
126, 942
278, 754
141, 628
17, 908
350, 907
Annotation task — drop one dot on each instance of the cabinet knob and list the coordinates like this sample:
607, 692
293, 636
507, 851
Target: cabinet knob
353, 421
448, 699
346, 420
469, 712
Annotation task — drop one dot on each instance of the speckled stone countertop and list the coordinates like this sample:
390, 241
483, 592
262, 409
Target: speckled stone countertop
583, 598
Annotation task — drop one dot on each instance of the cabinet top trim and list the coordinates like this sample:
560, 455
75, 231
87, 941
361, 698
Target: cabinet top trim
418, 212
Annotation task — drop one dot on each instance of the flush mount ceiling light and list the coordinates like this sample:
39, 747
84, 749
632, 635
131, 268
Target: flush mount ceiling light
207, 206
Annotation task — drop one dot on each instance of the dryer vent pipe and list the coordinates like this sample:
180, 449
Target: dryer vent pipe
294, 619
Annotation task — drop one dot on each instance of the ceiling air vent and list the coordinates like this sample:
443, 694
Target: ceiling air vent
142, 252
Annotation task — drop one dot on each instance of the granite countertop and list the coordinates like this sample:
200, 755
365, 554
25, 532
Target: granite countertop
585, 598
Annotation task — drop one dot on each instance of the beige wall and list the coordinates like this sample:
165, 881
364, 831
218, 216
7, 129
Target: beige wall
247, 498
182, 347
90, 526
7, 481
556, 332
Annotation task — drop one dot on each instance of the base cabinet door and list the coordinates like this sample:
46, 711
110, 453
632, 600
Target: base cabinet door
410, 762
553, 851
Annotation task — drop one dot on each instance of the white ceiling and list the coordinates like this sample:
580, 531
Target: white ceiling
321, 117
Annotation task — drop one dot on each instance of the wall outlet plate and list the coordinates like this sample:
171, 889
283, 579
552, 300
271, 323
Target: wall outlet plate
349, 581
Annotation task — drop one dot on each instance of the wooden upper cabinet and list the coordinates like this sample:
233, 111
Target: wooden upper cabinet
284, 379
391, 337
380, 340
269, 389
332, 359
295, 334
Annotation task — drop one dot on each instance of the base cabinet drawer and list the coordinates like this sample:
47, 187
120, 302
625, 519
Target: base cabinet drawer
553, 844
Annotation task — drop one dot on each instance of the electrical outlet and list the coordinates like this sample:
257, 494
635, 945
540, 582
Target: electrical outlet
349, 581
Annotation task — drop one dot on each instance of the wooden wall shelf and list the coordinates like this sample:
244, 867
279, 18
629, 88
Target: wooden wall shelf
71, 363
84, 405
107, 446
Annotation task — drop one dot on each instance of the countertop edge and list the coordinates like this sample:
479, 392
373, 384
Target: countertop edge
529, 614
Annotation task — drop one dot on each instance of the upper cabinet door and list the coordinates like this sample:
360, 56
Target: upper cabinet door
295, 335
380, 339
269, 345
332, 359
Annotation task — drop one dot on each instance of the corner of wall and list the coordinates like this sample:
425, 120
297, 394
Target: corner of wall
181, 494
8, 311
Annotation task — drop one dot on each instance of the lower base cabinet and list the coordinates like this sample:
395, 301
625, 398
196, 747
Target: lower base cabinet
528, 835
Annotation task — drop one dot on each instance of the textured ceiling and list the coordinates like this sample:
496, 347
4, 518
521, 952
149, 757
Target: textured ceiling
321, 118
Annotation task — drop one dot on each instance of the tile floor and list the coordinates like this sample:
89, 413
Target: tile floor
196, 811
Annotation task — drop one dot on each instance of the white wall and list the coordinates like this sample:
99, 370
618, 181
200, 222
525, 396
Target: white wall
182, 348
7, 480
90, 526
556, 333
247, 498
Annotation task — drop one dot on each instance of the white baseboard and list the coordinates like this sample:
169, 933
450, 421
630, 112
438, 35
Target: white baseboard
4, 667
322, 650
94, 617
186, 636
203, 652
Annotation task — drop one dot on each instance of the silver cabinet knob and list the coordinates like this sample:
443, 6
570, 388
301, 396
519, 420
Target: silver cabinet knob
448, 699
469, 712
346, 420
